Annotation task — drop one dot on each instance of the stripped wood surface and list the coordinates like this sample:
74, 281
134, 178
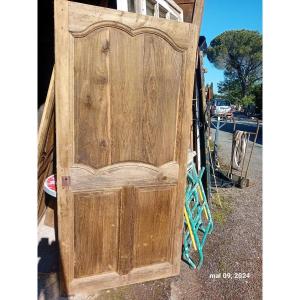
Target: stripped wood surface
124, 86
198, 14
192, 11
46, 146
187, 7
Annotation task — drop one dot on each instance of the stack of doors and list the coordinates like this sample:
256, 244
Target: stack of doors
123, 98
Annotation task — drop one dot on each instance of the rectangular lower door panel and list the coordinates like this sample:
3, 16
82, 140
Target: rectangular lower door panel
96, 225
153, 227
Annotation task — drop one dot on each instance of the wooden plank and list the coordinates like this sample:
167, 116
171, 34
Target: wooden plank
46, 116
204, 137
188, 9
198, 13
195, 127
185, 118
46, 144
179, 2
127, 219
86, 286
65, 212
50, 217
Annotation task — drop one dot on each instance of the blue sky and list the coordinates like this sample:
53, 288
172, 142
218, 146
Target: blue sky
222, 15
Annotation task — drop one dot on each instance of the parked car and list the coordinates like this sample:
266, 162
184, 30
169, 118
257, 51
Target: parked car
220, 107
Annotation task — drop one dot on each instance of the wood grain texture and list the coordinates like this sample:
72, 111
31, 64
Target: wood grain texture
126, 54
46, 146
147, 116
49, 217
183, 128
92, 100
179, 2
198, 13
188, 9
126, 231
122, 174
86, 286
153, 225
82, 17
96, 219
123, 97
192, 11
64, 143
162, 70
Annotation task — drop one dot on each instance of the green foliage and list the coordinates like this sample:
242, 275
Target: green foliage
219, 96
231, 90
247, 100
239, 54
257, 93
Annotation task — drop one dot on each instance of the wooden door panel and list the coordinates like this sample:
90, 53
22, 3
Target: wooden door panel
126, 95
96, 229
163, 67
123, 89
120, 81
144, 111
153, 227
91, 100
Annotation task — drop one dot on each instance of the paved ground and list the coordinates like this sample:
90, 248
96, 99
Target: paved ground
234, 247
242, 123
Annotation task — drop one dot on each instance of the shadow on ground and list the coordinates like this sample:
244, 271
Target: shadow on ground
48, 283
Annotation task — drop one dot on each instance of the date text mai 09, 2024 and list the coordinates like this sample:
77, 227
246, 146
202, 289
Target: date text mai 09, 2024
230, 275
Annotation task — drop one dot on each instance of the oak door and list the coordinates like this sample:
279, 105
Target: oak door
123, 90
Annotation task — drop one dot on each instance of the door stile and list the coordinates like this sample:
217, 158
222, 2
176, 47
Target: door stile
64, 143
182, 146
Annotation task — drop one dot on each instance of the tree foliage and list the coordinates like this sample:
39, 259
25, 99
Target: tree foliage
239, 54
230, 89
257, 92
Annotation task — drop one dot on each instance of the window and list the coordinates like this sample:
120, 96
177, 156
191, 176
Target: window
166, 9
131, 5
162, 12
172, 17
150, 8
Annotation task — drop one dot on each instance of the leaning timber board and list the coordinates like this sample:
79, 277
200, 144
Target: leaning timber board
123, 92
46, 146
